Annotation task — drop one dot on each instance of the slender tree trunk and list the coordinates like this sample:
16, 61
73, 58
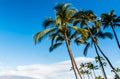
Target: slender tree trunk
83, 76
75, 68
108, 61
88, 76
94, 73
101, 51
115, 36
100, 62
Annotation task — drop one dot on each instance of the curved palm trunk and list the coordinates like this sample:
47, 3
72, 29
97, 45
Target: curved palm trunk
102, 52
74, 66
108, 61
100, 62
115, 36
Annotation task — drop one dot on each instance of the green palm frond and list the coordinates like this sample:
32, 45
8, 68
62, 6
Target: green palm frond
47, 22
117, 25
58, 20
111, 12
86, 49
117, 19
54, 46
73, 35
38, 36
82, 31
70, 13
59, 38
59, 6
80, 40
102, 35
52, 37
76, 22
66, 7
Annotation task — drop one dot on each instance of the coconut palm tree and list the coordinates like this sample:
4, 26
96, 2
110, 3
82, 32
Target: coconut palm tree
92, 67
111, 20
85, 18
60, 31
82, 72
85, 70
98, 34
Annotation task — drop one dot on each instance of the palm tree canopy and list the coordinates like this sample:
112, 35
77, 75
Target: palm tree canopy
110, 19
97, 35
58, 27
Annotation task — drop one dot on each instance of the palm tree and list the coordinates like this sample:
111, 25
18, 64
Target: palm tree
84, 69
82, 72
111, 20
92, 67
60, 31
98, 34
84, 17
116, 69
99, 77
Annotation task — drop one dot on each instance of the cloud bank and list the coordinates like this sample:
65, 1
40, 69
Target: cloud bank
60, 70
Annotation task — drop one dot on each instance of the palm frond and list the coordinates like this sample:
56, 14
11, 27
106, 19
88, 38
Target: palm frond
38, 36
58, 20
59, 6
70, 13
52, 37
59, 38
117, 19
82, 31
66, 7
73, 35
117, 25
76, 22
47, 22
86, 49
80, 40
54, 46
104, 35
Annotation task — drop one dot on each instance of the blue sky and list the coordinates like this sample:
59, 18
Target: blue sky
21, 19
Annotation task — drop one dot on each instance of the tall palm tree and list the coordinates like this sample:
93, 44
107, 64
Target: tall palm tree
98, 34
60, 31
110, 19
84, 18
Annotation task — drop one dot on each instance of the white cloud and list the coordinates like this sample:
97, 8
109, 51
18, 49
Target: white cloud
60, 70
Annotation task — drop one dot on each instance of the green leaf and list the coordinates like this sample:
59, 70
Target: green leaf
38, 36
86, 49
82, 31
47, 22
54, 46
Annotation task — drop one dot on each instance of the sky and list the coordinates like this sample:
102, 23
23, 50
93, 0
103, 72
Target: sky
21, 19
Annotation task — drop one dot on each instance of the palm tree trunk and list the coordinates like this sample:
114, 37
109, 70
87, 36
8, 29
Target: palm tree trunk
115, 36
100, 62
74, 66
107, 60
94, 73
101, 51
83, 76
